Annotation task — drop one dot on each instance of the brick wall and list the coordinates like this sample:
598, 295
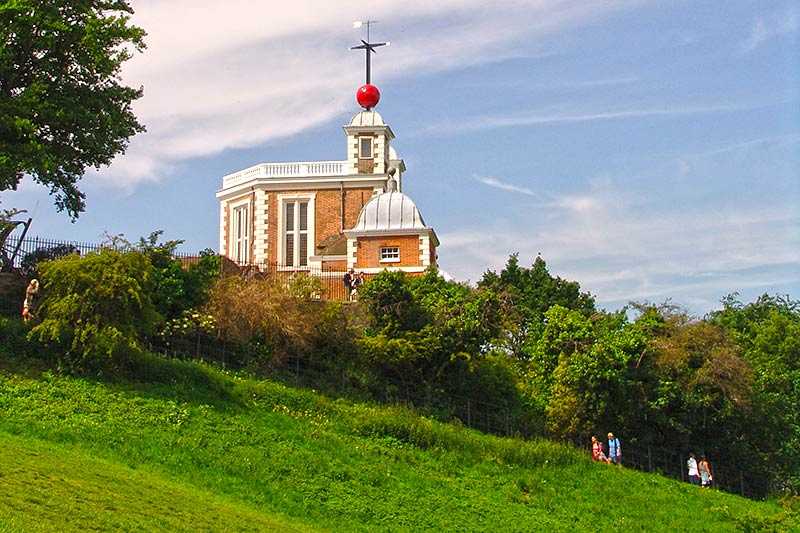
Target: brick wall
368, 254
327, 215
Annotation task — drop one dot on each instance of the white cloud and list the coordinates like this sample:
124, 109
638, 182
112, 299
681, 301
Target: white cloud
239, 73
502, 185
537, 118
764, 29
628, 248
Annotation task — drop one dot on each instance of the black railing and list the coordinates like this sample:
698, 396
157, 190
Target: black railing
329, 285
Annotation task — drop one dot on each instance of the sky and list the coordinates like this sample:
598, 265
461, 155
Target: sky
648, 150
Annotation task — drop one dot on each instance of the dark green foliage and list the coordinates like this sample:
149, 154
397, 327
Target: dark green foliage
526, 295
95, 308
430, 338
768, 331
176, 288
62, 106
29, 266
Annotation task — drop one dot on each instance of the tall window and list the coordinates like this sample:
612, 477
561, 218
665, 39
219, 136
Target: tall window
295, 216
365, 147
241, 234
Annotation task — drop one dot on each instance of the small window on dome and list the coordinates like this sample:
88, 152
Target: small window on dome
390, 254
365, 147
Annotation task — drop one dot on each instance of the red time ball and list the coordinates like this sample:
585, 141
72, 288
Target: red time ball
368, 96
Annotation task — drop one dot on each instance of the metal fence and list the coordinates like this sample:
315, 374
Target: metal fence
329, 285
495, 418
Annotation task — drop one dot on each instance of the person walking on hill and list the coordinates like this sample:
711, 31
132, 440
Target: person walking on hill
704, 467
614, 450
597, 451
694, 473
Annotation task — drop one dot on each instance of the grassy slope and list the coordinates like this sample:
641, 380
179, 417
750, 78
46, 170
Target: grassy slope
347, 466
49, 487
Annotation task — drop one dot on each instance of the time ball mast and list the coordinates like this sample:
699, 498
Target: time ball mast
368, 95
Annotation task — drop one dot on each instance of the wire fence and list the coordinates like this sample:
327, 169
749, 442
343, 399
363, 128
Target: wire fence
496, 418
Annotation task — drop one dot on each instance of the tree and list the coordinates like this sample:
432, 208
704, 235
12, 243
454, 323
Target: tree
63, 108
96, 308
526, 295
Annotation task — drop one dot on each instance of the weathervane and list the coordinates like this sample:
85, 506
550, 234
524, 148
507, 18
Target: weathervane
367, 95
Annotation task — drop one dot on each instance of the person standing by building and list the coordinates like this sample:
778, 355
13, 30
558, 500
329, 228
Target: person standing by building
614, 450
694, 474
348, 283
358, 281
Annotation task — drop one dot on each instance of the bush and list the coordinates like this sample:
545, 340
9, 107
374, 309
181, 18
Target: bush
29, 266
262, 311
95, 308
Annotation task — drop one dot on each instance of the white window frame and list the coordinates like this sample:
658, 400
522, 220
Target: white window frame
239, 243
284, 199
389, 254
371, 141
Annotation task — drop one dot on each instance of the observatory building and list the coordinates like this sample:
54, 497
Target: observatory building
329, 215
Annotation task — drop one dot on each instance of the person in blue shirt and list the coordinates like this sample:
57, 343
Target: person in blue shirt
614, 450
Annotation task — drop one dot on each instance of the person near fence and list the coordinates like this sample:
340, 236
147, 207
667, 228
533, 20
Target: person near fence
614, 450
597, 451
694, 473
348, 282
29, 305
357, 282
704, 467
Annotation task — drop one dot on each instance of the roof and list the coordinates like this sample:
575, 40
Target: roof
367, 118
389, 211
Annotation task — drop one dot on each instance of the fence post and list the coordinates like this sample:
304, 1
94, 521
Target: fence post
649, 459
680, 463
741, 483
469, 418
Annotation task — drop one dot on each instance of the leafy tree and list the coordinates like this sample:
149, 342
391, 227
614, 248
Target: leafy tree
63, 108
95, 308
768, 331
526, 295
176, 287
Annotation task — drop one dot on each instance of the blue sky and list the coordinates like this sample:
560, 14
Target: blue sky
648, 150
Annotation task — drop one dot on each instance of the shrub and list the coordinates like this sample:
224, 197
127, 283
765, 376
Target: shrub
29, 266
261, 310
95, 308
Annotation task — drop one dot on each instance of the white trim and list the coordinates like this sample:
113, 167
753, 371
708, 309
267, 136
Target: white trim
281, 199
377, 270
232, 207
352, 253
359, 181
424, 250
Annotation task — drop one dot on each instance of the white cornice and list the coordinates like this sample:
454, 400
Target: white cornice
305, 183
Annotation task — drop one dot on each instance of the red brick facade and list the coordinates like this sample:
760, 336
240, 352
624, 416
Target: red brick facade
327, 214
369, 248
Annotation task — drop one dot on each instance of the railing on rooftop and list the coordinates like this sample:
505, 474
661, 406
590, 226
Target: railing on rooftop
287, 170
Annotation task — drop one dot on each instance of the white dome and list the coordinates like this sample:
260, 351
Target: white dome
389, 211
367, 118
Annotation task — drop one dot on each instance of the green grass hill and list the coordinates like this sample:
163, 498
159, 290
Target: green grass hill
187, 447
